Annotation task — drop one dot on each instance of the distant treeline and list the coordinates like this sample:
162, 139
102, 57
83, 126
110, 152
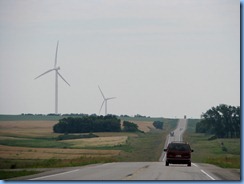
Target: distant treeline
86, 124
223, 121
53, 114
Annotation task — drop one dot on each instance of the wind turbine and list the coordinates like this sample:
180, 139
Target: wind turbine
105, 100
55, 68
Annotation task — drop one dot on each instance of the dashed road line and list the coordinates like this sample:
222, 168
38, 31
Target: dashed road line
207, 174
204, 172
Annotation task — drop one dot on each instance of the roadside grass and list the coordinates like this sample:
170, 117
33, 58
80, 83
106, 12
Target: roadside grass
221, 152
53, 162
145, 147
13, 174
49, 163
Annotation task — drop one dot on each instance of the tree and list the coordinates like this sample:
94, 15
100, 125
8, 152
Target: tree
88, 124
223, 121
158, 124
130, 127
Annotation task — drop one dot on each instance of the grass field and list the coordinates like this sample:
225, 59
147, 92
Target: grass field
222, 152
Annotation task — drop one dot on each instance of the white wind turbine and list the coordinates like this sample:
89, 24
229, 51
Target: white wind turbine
105, 100
55, 68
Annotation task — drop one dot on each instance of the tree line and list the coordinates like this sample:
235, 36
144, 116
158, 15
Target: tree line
87, 124
223, 121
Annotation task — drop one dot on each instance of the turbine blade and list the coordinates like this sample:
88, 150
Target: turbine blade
44, 73
101, 106
62, 78
56, 56
101, 92
110, 98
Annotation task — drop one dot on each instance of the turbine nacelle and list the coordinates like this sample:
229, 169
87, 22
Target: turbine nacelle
105, 100
57, 68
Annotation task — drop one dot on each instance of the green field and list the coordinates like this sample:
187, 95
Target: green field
221, 152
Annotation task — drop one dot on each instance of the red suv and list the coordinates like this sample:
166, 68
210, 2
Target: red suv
178, 153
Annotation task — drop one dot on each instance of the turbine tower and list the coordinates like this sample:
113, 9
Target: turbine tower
55, 68
105, 100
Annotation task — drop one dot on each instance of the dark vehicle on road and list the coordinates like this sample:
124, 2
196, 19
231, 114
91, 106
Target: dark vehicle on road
178, 153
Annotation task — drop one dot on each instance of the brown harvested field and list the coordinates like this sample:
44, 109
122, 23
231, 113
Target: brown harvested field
98, 141
45, 128
27, 128
10, 152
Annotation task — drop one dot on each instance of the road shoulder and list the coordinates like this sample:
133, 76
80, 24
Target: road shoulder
222, 173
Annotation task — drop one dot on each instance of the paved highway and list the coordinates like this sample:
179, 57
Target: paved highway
141, 170
133, 171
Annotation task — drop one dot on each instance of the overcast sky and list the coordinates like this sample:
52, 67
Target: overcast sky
160, 58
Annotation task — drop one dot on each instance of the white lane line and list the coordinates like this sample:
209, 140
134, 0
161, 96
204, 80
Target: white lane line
54, 175
207, 174
203, 172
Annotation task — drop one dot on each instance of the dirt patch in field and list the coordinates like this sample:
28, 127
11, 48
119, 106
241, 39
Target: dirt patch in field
9, 152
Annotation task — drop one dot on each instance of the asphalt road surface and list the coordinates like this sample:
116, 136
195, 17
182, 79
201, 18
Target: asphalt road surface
177, 135
141, 170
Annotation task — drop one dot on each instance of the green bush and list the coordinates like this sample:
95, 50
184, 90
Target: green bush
158, 124
130, 127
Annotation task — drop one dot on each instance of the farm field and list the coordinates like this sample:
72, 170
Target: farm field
36, 140
15, 152
27, 129
97, 141
32, 139
29, 143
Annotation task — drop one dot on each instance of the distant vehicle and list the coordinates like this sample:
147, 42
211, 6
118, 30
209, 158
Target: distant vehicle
171, 134
178, 153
